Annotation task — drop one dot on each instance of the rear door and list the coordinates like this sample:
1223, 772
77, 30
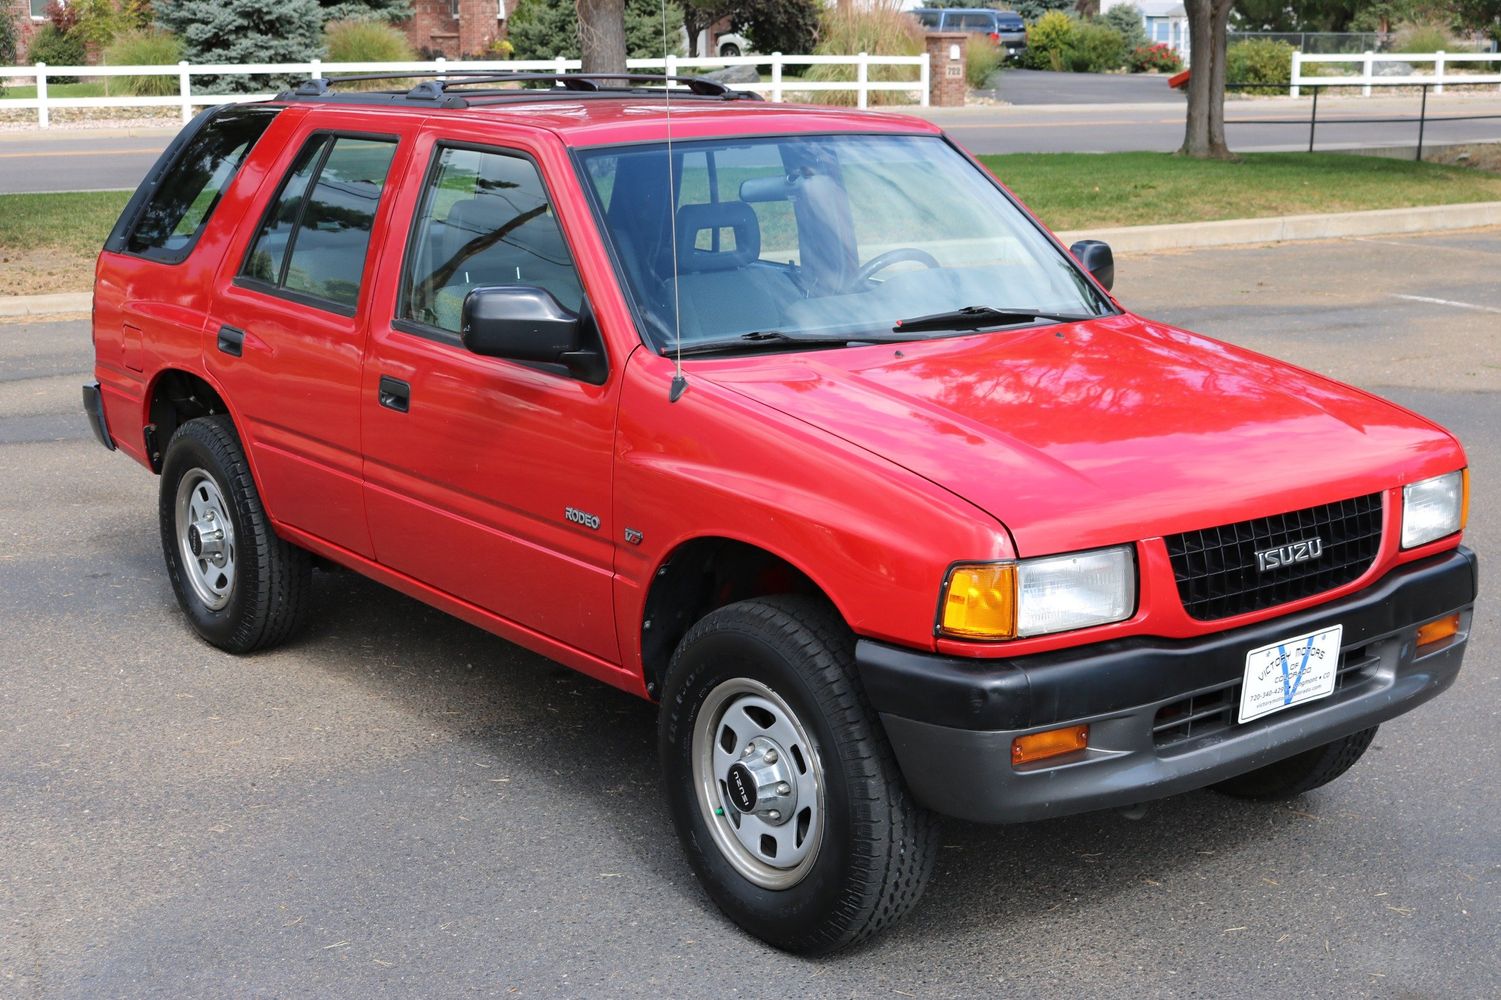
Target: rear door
288, 330
488, 479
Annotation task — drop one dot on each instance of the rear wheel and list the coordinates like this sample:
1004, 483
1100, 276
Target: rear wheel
783, 789
1301, 772
241, 586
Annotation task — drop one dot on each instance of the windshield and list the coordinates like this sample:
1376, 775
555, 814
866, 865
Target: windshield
821, 238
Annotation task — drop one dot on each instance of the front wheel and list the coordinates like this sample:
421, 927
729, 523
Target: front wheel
782, 786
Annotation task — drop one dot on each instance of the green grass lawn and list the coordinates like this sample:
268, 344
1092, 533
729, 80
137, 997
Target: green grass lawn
48, 242
1078, 190
91, 88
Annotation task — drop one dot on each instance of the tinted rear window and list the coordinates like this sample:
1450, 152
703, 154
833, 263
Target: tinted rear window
175, 213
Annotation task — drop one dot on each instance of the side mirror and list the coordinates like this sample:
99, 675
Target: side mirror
1097, 260
526, 323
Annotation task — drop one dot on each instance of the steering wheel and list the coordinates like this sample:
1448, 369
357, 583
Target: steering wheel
884, 260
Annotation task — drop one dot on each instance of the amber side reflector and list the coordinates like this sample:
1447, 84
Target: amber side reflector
1041, 746
1439, 628
1464, 498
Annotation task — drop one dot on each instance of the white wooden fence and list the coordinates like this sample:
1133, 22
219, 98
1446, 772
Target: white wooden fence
778, 88
1443, 65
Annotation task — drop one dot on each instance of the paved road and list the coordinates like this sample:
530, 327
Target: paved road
102, 159
400, 805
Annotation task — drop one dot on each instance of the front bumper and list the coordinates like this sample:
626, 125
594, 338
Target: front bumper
93, 405
952, 721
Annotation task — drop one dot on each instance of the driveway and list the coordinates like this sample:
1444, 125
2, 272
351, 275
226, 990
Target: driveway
397, 804
1035, 86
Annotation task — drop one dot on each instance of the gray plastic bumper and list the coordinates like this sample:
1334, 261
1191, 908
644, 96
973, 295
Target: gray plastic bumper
952, 722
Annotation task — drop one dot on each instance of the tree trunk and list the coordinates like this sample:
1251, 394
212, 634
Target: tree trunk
1204, 131
602, 35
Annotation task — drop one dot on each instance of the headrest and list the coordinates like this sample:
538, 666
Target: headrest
732, 215
477, 215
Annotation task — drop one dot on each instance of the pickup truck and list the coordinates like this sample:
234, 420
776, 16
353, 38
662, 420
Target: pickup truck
793, 422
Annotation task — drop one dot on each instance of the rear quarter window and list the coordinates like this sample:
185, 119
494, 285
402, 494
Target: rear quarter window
165, 218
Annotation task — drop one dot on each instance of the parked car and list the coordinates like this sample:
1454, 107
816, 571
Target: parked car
800, 427
1003, 27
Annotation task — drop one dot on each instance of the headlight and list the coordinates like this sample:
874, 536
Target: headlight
1038, 596
1434, 508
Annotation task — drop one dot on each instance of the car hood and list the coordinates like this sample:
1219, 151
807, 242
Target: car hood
1106, 431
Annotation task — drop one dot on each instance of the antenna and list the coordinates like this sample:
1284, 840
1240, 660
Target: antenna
679, 383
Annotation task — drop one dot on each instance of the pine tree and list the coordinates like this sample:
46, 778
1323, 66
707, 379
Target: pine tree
244, 31
365, 10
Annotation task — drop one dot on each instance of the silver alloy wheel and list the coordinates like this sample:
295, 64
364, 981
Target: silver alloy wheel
205, 539
759, 783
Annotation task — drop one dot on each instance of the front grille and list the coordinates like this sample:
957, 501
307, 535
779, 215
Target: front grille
1217, 572
1214, 711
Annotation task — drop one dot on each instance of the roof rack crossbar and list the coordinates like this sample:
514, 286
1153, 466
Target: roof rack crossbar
436, 84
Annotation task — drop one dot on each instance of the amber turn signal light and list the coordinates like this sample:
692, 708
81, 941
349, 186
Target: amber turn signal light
979, 602
1041, 746
1439, 628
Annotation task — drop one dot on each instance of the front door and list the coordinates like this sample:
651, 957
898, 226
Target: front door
487, 479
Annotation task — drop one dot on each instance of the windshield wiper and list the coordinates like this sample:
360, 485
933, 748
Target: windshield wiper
975, 317
757, 339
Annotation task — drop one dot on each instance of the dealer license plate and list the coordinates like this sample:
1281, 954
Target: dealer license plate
1290, 672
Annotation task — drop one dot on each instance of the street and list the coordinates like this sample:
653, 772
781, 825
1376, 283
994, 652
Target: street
397, 804
63, 159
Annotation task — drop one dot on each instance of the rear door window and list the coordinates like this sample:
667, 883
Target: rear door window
312, 243
174, 215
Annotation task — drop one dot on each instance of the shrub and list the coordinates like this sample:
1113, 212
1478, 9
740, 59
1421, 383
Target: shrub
1259, 61
365, 10
144, 47
97, 22
1097, 48
880, 29
1030, 10
1049, 40
786, 26
54, 48
1159, 58
366, 41
1128, 20
63, 17
244, 31
547, 29
981, 60
1423, 38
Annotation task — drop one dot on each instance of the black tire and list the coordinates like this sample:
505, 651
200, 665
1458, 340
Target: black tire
266, 597
729, 51
876, 849
1300, 773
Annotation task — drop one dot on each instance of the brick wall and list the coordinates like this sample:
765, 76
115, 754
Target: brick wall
947, 86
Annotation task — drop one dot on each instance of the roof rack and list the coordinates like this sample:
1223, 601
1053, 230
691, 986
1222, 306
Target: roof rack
450, 89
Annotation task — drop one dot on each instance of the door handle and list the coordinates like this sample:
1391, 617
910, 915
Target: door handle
231, 341
394, 394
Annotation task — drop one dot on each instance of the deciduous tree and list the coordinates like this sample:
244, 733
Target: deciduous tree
1204, 134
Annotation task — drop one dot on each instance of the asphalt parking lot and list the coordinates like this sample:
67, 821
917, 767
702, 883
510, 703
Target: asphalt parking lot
397, 804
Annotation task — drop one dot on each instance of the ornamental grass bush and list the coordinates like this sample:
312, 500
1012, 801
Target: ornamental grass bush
880, 29
981, 60
144, 47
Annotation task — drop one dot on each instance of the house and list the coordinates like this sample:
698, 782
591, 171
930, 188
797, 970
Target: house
457, 28
1165, 20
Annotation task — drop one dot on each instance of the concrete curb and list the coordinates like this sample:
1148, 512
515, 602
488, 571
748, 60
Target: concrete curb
1125, 239
1278, 229
45, 305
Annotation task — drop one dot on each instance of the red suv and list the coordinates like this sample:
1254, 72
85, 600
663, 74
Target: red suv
793, 421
